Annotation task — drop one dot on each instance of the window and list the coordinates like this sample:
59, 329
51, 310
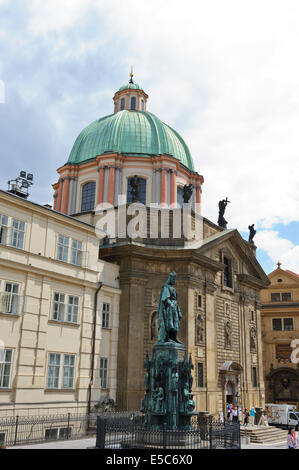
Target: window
63, 248
65, 433
254, 377
252, 315
142, 105
105, 315
9, 300
51, 434
180, 196
104, 372
122, 104
286, 296
3, 228
275, 297
68, 371
133, 102
58, 307
72, 309
288, 324
227, 273
200, 382
5, 367
53, 371
76, 253
198, 301
277, 324
65, 308
88, 196
2, 438
17, 233
54, 378
140, 192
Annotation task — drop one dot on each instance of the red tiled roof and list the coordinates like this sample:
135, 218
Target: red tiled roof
291, 272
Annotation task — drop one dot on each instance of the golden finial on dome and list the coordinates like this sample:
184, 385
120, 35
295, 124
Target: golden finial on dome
131, 75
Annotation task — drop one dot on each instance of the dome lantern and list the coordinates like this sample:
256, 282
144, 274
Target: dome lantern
130, 97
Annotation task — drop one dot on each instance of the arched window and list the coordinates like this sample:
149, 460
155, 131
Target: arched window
88, 196
142, 105
122, 104
133, 102
180, 197
136, 190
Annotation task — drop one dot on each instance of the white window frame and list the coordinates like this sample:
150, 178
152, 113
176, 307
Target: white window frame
63, 244
63, 371
104, 372
3, 364
65, 308
106, 315
3, 229
58, 307
76, 252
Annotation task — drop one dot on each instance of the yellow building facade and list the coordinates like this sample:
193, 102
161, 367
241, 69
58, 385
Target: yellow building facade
280, 329
59, 309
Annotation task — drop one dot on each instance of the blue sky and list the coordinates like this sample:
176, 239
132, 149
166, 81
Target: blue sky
223, 74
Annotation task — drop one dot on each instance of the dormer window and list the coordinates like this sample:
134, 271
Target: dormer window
122, 104
133, 102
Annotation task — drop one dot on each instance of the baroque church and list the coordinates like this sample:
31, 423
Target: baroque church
132, 156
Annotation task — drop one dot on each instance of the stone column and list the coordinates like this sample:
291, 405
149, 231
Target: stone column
66, 192
211, 348
100, 185
173, 190
60, 189
198, 199
163, 199
110, 197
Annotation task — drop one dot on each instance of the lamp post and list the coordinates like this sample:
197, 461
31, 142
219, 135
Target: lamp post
238, 396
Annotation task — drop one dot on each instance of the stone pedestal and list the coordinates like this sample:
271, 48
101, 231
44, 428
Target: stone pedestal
168, 382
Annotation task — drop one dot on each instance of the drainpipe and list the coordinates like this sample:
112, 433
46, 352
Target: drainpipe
93, 344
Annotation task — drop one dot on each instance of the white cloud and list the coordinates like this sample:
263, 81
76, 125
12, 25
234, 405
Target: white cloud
279, 249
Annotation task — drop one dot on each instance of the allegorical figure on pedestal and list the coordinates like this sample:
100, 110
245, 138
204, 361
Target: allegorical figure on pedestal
169, 312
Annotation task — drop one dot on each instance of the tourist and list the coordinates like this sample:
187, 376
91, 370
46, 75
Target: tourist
228, 410
246, 416
252, 415
292, 440
235, 414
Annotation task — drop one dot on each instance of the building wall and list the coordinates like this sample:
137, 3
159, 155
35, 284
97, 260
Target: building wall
31, 333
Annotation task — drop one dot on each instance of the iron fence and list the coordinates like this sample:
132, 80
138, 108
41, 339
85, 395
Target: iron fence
32, 429
128, 431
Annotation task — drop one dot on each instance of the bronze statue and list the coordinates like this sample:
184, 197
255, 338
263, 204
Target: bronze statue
222, 206
187, 192
169, 312
252, 233
134, 190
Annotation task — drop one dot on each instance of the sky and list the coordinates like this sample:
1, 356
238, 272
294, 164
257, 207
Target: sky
224, 74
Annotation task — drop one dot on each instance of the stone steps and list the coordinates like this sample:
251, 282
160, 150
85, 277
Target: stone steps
264, 434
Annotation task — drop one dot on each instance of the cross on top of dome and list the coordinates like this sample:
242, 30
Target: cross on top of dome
130, 97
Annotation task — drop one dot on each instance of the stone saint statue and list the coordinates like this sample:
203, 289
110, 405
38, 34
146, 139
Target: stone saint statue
187, 192
252, 233
134, 190
222, 206
169, 312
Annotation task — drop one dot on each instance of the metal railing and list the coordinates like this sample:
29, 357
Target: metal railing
128, 431
33, 429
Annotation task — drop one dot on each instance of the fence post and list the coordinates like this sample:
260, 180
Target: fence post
211, 435
68, 425
101, 433
16, 431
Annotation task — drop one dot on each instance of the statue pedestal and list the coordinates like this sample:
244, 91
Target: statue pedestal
168, 402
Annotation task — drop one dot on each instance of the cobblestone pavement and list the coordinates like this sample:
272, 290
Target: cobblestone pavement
86, 443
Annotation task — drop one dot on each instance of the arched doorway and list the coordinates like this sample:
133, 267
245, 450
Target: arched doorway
229, 392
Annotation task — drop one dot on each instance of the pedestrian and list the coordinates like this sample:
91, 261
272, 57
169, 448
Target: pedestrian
228, 410
246, 416
292, 439
231, 413
235, 415
252, 415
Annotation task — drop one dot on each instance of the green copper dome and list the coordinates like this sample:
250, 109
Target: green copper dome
131, 86
132, 133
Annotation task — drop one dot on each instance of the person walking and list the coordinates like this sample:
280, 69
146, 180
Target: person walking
235, 414
252, 415
246, 417
228, 410
292, 439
